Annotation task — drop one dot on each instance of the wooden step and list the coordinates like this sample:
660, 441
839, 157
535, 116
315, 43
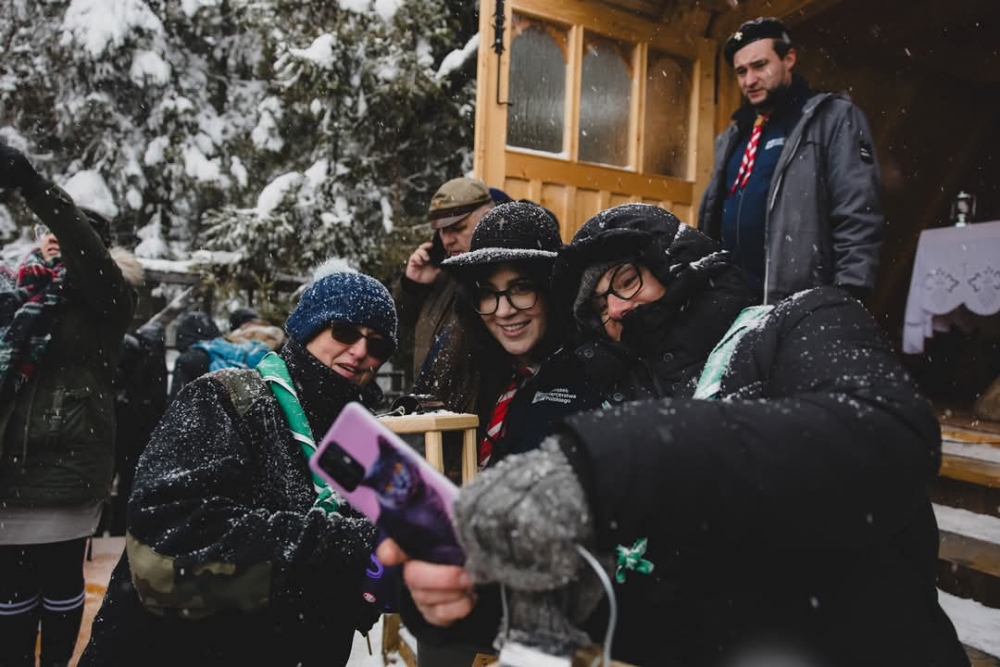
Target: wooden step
978, 628
971, 470
969, 554
969, 569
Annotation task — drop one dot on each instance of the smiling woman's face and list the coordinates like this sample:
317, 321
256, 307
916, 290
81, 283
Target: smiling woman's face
517, 331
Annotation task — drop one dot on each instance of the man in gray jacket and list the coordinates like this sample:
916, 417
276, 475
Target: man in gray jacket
794, 194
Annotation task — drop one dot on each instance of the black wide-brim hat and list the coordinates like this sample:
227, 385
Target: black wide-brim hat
510, 233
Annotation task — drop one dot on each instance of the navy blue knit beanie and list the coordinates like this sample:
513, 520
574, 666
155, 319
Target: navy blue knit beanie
342, 295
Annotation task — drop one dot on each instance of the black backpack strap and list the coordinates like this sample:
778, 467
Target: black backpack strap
245, 387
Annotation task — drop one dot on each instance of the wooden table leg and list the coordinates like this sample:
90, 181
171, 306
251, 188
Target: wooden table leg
433, 450
470, 457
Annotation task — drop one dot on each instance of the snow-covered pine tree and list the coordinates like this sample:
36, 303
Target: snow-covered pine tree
285, 130
358, 109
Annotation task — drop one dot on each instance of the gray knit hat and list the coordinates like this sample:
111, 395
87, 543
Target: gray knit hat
588, 281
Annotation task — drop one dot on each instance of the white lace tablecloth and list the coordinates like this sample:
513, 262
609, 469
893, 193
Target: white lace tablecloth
954, 266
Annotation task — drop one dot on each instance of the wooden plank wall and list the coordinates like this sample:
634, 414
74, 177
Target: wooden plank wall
934, 134
576, 191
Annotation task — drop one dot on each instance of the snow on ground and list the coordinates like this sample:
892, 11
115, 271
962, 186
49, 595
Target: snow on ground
978, 626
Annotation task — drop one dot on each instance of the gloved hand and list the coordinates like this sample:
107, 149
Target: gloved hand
519, 524
520, 521
17, 172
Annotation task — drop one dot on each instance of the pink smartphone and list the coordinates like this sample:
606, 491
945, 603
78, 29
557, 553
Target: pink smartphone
383, 478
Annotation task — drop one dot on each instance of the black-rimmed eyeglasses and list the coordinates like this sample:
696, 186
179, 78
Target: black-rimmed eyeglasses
348, 334
626, 281
520, 296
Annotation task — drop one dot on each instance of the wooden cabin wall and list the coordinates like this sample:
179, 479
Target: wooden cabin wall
932, 138
925, 73
934, 135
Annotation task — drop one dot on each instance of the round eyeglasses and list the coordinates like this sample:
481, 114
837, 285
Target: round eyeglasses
520, 296
626, 281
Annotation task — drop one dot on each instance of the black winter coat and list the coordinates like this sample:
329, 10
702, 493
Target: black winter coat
803, 518
233, 563
140, 400
57, 434
558, 390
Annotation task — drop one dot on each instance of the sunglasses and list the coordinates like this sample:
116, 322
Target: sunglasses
626, 281
348, 334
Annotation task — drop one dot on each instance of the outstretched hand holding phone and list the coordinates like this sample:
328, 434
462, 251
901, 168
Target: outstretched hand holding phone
443, 594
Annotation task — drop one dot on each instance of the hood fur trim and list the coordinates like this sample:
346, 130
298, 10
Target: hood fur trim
129, 264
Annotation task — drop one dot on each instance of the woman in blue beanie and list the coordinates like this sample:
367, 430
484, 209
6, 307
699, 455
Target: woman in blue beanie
235, 553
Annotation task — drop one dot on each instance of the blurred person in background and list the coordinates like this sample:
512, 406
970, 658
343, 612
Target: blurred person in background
61, 329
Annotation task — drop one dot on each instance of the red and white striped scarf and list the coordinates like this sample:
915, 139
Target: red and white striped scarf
746, 165
496, 427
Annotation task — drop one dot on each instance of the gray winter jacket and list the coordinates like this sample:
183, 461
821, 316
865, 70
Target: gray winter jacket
824, 220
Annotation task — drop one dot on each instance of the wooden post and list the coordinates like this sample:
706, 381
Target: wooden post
432, 425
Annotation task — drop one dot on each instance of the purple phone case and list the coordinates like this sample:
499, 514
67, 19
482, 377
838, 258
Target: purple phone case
406, 498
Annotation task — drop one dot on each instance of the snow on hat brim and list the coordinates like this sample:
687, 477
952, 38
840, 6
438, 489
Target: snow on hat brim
488, 256
344, 296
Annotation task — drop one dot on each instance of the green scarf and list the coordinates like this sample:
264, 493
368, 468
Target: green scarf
710, 381
275, 373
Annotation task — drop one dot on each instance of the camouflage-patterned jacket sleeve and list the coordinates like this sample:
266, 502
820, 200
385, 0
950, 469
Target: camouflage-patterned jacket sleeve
221, 515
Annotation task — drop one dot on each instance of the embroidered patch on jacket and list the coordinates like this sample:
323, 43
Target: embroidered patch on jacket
557, 395
780, 141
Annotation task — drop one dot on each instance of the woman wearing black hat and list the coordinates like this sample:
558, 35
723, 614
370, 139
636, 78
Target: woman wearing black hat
773, 510
519, 378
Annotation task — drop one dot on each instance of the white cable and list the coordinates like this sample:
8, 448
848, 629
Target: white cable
612, 603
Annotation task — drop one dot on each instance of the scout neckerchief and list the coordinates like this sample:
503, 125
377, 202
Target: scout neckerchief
496, 426
275, 373
711, 375
746, 164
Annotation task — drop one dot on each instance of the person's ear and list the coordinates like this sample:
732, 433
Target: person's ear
790, 58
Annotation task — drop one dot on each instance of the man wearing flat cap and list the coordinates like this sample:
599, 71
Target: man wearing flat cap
794, 193
424, 295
